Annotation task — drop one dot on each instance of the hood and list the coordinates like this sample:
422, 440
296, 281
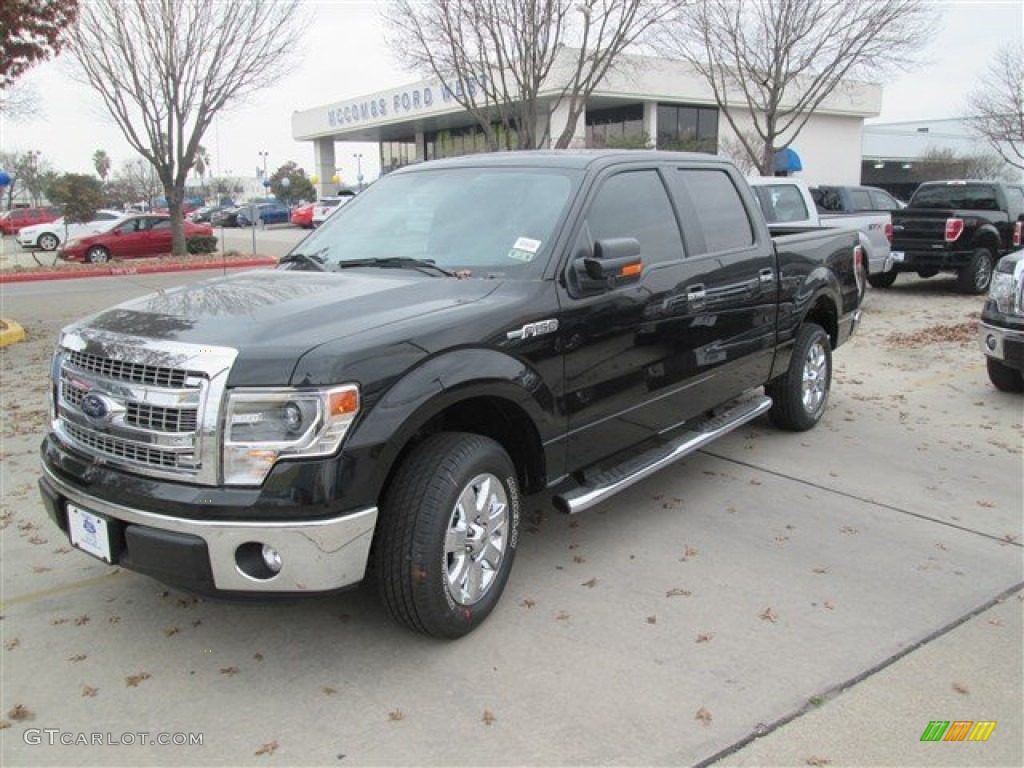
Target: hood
272, 317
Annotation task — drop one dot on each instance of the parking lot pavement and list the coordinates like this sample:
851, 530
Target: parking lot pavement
712, 603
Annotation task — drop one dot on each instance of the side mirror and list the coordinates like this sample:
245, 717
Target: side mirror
615, 260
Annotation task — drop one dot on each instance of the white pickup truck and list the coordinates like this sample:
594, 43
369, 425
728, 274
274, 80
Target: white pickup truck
787, 203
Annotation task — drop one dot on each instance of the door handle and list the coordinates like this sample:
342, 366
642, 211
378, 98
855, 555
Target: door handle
696, 296
766, 276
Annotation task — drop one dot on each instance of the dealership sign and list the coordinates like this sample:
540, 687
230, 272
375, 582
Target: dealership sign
418, 98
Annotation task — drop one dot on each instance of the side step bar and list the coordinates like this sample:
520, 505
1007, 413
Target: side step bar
610, 481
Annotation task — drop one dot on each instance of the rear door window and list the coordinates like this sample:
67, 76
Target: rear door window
860, 199
718, 207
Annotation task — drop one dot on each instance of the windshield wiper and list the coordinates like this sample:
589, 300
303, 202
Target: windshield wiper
399, 262
314, 260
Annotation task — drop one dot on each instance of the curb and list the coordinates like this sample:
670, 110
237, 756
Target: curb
141, 269
11, 334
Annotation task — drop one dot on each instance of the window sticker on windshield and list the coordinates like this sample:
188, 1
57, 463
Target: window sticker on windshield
524, 249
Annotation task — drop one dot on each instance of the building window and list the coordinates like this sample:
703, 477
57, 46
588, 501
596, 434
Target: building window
467, 140
616, 128
688, 129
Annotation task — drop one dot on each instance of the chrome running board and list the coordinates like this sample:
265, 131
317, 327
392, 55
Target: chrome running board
607, 482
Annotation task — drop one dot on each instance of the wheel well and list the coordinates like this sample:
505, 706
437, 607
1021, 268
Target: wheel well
824, 314
501, 420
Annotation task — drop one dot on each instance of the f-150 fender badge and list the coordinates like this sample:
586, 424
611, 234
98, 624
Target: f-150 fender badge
540, 328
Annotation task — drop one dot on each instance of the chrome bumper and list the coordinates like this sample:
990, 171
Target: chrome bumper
993, 340
320, 555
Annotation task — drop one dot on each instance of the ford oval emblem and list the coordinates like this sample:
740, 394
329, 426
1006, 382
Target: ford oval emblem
94, 406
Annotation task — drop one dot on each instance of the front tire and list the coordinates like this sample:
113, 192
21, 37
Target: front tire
448, 534
1004, 378
976, 276
48, 242
97, 255
799, 397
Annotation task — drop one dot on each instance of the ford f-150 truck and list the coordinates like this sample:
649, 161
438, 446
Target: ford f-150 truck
956, 226
1001, 330
789, 206
464, 332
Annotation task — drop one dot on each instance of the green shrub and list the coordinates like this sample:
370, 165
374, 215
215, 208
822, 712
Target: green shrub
201, 244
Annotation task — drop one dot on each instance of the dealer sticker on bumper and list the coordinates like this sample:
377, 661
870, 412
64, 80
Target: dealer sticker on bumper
89, 532
897, 256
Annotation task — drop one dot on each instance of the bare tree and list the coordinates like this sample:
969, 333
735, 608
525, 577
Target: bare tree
19, 102
28, 170
495, 56
995, 109
136, 181
776, 61
165, 68
939, 163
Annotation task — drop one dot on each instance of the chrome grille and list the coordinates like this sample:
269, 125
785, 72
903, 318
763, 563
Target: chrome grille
122, 449
161, 419
139, 373
150, 407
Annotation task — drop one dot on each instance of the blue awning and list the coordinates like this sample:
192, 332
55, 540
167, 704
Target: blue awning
787, 161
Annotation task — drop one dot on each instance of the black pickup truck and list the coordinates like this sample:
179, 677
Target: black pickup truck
955, 226
463, 333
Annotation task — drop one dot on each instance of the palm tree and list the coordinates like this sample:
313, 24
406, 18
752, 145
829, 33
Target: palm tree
202, 163
101, 162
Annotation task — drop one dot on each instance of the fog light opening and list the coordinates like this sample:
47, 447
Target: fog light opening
258, 560
991, 343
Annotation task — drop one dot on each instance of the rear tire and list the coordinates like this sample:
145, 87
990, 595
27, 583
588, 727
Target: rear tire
799, 397
976, 276
448, 534
97, 255
1004, 378
48, 242
882, 279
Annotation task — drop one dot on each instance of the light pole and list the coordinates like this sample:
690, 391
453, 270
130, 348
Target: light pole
266, 181
359, 170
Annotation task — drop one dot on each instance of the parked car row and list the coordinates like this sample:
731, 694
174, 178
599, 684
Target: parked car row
13, 221
130, 236
49, 236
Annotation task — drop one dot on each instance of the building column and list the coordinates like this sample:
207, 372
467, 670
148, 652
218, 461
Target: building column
421, 146
325, 166
559, 118
651, 123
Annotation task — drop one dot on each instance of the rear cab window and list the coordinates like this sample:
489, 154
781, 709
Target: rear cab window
721, 220
973, 197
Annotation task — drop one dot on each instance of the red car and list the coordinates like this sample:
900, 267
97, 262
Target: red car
143, 235
303, 216
12, 222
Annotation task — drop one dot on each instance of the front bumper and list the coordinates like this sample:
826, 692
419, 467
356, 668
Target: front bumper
1003, 344
207, 556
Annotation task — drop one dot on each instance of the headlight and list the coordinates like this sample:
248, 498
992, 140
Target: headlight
1001, 291
266, 425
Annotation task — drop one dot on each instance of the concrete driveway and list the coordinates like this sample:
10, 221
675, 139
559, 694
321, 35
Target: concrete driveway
718, 600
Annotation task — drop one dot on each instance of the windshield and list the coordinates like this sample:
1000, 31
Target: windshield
972, 197
487, 222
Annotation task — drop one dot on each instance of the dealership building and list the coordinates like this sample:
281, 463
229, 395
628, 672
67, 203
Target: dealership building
660, 102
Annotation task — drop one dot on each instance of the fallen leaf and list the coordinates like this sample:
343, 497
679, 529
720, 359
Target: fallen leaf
10, 645
41, 568
821, 571
267, 749
704, 716
995, 622
678, 592
21, 712
705, 637
817, 761
688, 553
986, 504
114, 620
769, 615
88, 690
589, 584
579, 559
229, 671
197, 622
527, 603
488, 717
562, 616
328, 691
652, 619
132, 681
77, 657
831, 606
171, 631
5, 724
258, 656
848, 529
960, 688
81, 621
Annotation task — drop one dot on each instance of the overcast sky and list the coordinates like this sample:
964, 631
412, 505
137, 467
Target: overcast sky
345, 56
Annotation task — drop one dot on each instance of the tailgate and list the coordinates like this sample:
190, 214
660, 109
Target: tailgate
918, 229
